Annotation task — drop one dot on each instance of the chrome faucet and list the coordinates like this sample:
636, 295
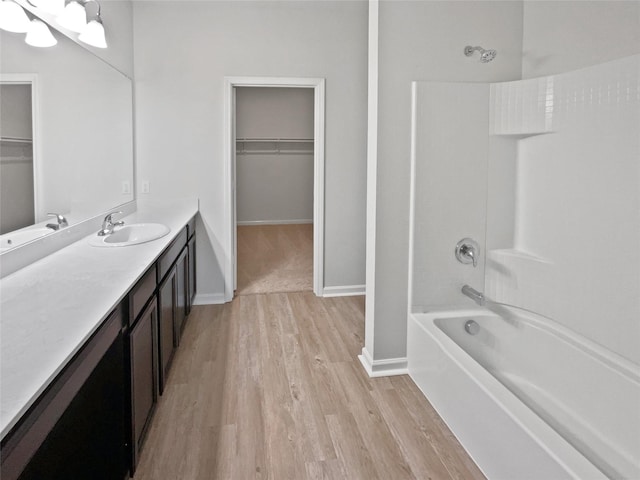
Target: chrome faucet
61, 221
467, 251
474, 295
108, 225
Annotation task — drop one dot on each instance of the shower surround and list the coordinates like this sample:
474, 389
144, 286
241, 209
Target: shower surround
544, 175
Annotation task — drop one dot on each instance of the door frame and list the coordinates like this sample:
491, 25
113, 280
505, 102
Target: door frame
318, 86
32, 80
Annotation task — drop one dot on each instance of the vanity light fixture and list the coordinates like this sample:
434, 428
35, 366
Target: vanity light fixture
73, 17
13, 18
93, 33
54, 7
39, 35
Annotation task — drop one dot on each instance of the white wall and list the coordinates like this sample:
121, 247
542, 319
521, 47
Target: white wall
183, 51
274, 187
577, 197
563, 179
84, 137
560, 36
117, 18
422, 41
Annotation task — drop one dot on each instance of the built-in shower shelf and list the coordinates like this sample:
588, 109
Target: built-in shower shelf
520, 135
512, 253
274, 146
16, 150
16, 140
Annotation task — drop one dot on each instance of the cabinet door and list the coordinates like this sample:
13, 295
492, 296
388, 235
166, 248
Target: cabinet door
76, 429
144, 385
192, 273
182, 275
166, 322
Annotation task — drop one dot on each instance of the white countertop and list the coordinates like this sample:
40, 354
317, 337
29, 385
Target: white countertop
50, 308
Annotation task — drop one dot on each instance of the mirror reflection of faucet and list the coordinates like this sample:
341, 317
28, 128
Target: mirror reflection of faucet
468, 251
61, 221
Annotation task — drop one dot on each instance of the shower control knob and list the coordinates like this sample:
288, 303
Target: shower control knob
467, 251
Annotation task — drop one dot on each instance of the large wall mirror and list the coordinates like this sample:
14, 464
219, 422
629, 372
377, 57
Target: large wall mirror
66, 134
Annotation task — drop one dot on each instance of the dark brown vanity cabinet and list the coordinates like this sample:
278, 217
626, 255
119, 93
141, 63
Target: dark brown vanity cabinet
91, 421
142, 353
191, 254
173, 275
182, 291
167, 317
155, 335
76, 428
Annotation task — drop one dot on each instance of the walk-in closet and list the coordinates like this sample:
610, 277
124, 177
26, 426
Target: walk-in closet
274, 189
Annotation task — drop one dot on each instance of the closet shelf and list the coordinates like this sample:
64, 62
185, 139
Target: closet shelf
274, 146
26, 141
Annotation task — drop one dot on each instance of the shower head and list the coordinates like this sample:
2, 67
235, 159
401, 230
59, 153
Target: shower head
485, 55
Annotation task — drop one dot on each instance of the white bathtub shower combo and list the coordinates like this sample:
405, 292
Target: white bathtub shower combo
527, 398
543, 380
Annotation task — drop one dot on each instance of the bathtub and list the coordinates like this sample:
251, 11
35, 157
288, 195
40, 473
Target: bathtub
527, 398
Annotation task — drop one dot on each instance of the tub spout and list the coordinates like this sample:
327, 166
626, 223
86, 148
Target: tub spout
474, 295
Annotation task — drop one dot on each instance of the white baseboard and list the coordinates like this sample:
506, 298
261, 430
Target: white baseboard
274, 222
208, 299
343, 291
383, 368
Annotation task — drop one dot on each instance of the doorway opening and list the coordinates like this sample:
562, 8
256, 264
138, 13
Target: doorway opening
252, 214
19, 161
274, 190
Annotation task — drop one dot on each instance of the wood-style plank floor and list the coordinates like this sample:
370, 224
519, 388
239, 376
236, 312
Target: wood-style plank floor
275, 258
269, 387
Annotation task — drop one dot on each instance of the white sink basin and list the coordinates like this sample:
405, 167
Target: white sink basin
15, 239
133, 234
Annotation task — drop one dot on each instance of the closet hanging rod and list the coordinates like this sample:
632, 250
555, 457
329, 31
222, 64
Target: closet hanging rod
281, 140
15, 140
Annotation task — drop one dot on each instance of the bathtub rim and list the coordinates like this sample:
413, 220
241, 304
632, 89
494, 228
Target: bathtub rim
614, 361
548, 439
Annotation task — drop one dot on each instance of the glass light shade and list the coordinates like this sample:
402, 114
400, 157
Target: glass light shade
93, 34
54, 7
13, 18
39, 35
73, 17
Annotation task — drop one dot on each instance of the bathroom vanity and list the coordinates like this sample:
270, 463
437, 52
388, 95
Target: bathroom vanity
88, 335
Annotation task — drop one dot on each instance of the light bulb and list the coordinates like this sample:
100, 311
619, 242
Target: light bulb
13, 18
93, 34
39, 35
73, 17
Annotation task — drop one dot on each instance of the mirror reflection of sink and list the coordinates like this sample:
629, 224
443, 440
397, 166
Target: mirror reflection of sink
133, 234
20, 237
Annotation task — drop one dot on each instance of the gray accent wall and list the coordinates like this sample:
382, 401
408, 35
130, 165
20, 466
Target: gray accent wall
560, 36
275, 186
422, 41
184, 50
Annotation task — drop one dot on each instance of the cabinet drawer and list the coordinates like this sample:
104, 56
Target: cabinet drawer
141, 293
191, 227
170, 255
